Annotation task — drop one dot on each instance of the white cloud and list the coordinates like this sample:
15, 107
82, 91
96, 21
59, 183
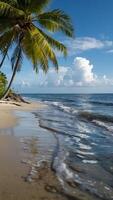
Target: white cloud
25, 83
104, 81
55, 79
80, 74
83, 70
81, 44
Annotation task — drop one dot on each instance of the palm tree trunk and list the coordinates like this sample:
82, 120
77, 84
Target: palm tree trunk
12, 78
3, 59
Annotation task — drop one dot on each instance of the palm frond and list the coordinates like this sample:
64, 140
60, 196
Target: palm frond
34, 53
7, 10
33, 6
10, 2
54, 43
7, 39
39, 50
4, 25
56, 20
38, 5
44, 45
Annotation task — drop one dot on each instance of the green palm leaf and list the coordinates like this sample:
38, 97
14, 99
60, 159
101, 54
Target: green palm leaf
54, 43
56, 20
33, 6
7, 10
6, 42
34, 53
7, 39
44, 45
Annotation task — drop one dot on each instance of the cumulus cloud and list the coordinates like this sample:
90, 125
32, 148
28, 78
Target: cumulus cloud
80, 74
83, 70
53, 78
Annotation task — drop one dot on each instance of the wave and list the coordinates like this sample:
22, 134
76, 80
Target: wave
95, 116
53, 130
63, 107
90, 161
104, 125
63, 170
102, 103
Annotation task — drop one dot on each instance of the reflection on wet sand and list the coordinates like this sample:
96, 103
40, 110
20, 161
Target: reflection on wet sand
7, 131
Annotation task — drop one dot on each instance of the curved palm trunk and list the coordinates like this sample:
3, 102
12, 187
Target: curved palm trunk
2, 60
4, 56
12, 78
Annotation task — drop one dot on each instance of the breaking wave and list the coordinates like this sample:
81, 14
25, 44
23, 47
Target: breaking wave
95, 116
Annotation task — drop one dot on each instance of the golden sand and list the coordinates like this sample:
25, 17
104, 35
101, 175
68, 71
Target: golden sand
7, 118
13, 184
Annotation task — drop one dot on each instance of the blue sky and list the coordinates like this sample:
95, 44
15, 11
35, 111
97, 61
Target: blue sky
89, 65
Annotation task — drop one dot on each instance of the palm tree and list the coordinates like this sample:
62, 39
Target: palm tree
23, 31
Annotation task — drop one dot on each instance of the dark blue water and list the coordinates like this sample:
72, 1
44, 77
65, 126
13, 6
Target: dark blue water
83, 127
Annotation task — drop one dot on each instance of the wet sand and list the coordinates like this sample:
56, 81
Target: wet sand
14, 183
7, 118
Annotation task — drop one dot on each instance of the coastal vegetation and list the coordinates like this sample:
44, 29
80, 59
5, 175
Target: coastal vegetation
3, 83
11, 95
24, 28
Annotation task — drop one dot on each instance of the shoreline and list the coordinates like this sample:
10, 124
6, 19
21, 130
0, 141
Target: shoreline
76, 160
15, 171
7, 109
26, 153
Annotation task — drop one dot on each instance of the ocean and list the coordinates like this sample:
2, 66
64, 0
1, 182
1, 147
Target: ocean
82, 125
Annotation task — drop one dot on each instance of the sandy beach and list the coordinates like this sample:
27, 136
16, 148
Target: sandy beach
7, 118
26, 153
34, 159
15, 181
